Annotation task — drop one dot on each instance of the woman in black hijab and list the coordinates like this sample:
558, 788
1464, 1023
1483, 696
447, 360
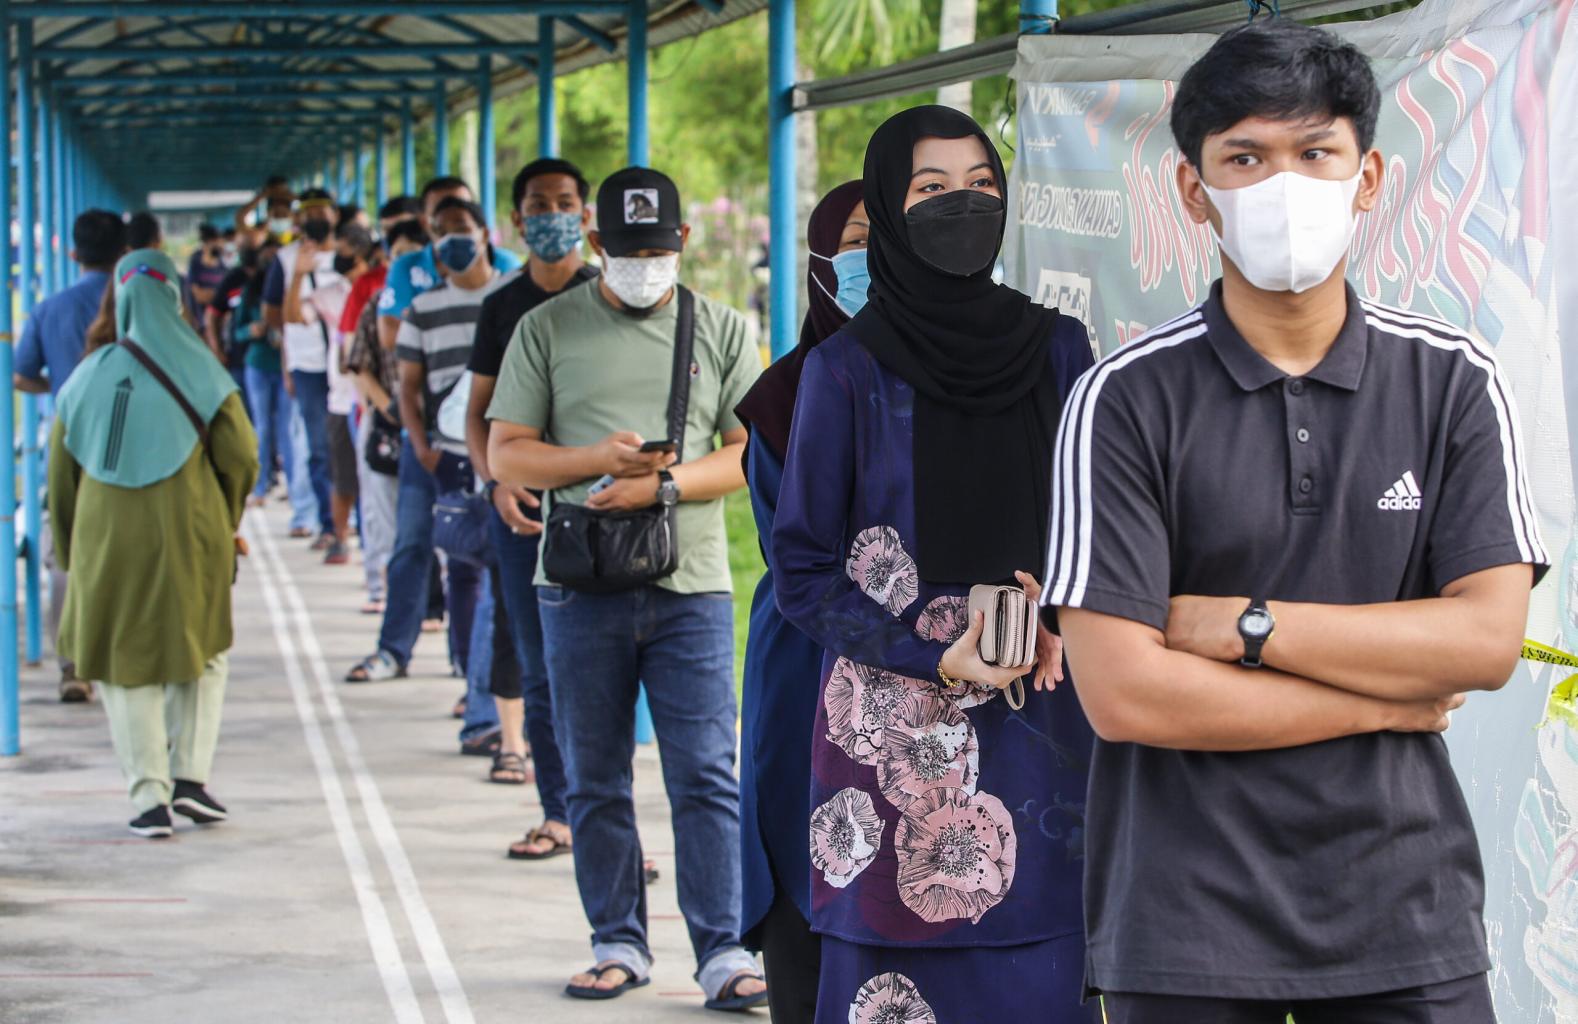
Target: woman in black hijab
779, 703
945, 825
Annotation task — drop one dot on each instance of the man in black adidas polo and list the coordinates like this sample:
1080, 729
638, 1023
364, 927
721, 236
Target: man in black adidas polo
1289, 530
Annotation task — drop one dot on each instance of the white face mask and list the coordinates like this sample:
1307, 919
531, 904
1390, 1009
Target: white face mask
641, 281
280, 225
1289, 232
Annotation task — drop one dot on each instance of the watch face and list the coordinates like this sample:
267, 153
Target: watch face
1255, 623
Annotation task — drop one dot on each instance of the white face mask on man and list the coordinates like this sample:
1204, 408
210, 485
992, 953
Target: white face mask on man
640, 282
1288, 232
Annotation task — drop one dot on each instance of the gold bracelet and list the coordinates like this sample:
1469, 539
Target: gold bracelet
949, 681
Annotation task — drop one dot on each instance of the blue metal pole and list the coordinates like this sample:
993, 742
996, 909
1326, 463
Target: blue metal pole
10, 719
27, 220
407, 150
380, 164
487, 156
48, 285
781, 160
338, 188
1036, 16
636, 56
360, 164
62, 202
440, 134
547, 99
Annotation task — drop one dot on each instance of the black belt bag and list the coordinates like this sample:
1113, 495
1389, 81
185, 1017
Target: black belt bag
607, 552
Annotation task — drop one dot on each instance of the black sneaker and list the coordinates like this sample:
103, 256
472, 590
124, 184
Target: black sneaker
193, 801
153, 823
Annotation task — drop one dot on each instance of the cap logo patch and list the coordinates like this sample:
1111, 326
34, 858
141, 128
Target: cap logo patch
641, 206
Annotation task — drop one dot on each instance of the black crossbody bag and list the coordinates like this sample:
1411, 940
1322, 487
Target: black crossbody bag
607, 552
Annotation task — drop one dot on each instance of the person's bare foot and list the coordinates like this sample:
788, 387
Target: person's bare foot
609, 975
750, 984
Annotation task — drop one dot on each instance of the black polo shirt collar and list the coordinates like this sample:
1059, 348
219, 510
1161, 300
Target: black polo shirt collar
1343, 366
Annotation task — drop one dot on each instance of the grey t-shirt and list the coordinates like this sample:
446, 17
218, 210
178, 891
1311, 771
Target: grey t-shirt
579, 370
1188, 464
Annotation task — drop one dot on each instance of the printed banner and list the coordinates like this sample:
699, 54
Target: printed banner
1479, 129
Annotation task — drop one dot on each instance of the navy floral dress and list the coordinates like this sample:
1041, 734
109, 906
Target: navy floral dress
946, 833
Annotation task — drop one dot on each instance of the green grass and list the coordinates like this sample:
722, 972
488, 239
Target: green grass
745, 563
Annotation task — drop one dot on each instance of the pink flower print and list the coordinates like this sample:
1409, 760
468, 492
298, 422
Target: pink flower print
929, 745
860, 702
956, 855
846, 834
890, 999
882, 569
946, 619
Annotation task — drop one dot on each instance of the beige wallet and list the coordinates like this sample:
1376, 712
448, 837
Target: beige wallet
1008, 639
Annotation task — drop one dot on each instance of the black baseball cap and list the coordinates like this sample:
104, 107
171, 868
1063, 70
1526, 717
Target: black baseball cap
638, 208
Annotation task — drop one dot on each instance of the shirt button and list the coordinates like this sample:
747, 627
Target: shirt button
1306, 485
1303, 436
1296, 386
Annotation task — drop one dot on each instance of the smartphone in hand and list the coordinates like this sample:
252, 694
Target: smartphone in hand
670, 446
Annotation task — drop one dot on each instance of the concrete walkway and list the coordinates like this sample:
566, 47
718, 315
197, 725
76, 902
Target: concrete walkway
362, 876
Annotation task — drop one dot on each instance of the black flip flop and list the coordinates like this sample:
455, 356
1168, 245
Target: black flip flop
558, 849
729, 1001
592, 992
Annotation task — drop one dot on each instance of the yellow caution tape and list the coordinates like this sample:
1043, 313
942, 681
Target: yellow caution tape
1534, 651
1562, 704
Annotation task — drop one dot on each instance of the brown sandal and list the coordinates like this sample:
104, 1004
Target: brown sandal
509, 770
522, 849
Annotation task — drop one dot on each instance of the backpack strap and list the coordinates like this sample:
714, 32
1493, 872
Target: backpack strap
158, 374
679, 386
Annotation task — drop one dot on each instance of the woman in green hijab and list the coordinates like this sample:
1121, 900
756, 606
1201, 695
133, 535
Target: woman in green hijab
145, 508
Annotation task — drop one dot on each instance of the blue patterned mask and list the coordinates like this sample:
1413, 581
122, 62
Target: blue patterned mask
457, 252
553, 236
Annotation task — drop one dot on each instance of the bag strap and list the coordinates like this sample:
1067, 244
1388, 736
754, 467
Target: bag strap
323, 327
158, 374
679, 386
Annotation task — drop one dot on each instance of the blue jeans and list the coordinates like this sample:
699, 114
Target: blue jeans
312, 395
517, 564
303, 506
482, 714
600, 648
409, 565
271, 418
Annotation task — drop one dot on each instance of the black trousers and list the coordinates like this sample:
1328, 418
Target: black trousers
1465, 1001
792, 953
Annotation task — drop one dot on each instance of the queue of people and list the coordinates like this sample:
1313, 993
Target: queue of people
1229, 802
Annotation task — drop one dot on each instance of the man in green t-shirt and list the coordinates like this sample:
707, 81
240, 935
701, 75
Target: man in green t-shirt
584, 384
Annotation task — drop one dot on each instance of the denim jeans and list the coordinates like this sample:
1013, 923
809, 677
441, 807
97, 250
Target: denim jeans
303, 505
517, 564
482, 714
312, 396
406, 603
271, 420
600, 648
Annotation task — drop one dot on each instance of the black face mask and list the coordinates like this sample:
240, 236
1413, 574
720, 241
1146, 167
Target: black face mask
344, 264
249, 259
958, 232
317, 230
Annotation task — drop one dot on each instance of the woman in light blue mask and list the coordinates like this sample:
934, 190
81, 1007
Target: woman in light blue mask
780, 661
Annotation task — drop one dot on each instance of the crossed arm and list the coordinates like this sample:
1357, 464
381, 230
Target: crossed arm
1332, 670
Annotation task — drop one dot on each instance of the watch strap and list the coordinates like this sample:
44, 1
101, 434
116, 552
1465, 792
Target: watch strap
1253, 645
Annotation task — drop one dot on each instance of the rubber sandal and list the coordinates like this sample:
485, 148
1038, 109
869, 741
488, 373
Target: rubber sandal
535, 835
590, 992
649, 871
373, 608
376, 668
486, 745
728, 1001
300, 532
509, 770
459, 710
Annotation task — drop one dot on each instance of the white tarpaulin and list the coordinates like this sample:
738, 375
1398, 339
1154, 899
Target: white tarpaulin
1479, 225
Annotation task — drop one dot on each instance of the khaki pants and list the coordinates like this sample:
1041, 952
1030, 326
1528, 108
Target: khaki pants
164, 732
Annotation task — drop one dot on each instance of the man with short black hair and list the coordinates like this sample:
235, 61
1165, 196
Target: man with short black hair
397, 211
205, 270
1289, 529
585, 383
53, 337
551, 214
143, 231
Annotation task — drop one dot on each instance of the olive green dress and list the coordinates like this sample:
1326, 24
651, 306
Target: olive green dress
151, 568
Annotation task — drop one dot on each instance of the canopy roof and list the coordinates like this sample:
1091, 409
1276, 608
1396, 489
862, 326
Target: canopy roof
213, 93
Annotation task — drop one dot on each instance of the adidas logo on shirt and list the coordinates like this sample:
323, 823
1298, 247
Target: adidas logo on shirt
1403, 496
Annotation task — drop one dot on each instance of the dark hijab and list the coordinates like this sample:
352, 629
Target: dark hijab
977, 355
768, 407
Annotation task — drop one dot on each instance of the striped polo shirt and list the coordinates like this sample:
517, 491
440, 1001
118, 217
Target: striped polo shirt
1189, 464
437, 331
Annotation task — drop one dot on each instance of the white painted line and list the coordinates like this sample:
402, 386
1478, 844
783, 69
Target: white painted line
457, 1009
380, 935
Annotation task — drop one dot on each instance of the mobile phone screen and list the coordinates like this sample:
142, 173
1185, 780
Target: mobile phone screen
658, 446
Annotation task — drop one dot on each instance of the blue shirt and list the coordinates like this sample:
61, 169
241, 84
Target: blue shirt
417, 272
54, 335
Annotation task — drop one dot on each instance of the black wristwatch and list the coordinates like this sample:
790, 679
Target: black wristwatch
667, 489
1255, 626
